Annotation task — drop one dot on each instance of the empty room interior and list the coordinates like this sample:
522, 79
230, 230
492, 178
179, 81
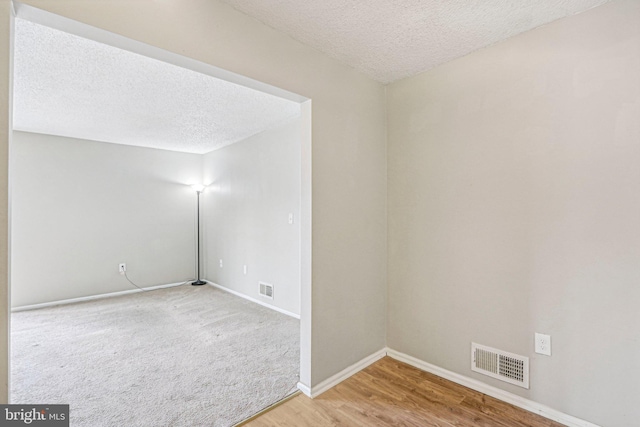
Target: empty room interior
410, 213
155, 252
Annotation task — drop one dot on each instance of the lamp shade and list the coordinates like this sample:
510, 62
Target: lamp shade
198, 187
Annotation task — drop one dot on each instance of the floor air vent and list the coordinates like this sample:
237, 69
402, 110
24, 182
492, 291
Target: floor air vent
499, 364
266, 290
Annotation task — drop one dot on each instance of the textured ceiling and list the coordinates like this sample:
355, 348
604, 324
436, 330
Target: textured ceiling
70, 86
392, 39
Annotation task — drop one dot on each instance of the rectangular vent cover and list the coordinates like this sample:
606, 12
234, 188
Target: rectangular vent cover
499, 364
266, 290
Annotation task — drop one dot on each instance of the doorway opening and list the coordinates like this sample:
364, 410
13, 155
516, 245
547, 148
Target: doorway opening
140, 195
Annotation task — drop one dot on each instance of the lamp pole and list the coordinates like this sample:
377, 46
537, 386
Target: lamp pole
199, 189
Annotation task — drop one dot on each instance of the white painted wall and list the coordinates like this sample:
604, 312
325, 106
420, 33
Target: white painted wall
6, 113
346, 163
253, 186
514, 208
80, 208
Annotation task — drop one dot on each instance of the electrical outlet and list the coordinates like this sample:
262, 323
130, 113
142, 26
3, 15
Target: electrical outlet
220, 263
122, 268
290, 218
543, 344
244, 269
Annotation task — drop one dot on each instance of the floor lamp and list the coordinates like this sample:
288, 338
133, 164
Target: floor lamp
199, 189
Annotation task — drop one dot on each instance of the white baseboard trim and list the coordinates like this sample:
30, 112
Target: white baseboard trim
305, 389
344, 374
262, 303
91, 297
505, 396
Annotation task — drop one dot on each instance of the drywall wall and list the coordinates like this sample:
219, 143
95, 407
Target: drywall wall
253, 186
346, 163
514, 201
6, 40
79, 208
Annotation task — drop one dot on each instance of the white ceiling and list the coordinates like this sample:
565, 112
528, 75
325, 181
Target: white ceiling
392, 39
70, 86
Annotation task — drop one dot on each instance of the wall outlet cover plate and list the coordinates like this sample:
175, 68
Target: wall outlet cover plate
543, 344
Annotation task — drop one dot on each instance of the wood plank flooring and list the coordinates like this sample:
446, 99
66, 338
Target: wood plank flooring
392, 393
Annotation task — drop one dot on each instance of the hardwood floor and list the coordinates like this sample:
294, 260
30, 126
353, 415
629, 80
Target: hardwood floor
392, 393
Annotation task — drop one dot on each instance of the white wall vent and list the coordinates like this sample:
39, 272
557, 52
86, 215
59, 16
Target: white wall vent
499, 364
266, 290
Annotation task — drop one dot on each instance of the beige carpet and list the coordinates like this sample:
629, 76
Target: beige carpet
185, 356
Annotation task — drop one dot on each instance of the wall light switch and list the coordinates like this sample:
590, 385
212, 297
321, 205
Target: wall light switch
543, 344
290, 218
244, 269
